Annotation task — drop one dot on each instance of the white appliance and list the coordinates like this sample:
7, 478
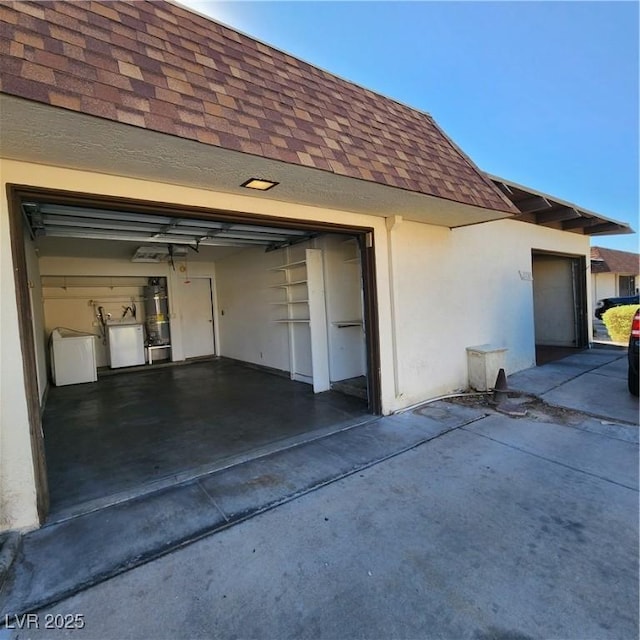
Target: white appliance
126, 345
73, 357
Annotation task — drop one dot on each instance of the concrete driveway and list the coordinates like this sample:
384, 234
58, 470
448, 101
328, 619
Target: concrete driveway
503, 529
593, 381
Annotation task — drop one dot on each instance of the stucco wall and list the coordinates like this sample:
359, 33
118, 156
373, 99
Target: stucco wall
464, 287
17, 480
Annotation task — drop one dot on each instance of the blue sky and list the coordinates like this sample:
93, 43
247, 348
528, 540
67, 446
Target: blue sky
541, 93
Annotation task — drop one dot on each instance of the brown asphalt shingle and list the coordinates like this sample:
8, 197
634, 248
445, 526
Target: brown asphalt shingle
614, 261
158, 66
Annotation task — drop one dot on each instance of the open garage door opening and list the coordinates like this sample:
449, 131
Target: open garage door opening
167, 343
559, 304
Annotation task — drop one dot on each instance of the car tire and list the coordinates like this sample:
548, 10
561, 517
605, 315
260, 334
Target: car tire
633, 382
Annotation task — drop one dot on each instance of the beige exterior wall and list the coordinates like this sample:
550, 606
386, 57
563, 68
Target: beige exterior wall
452, 289
17, 479
439, 291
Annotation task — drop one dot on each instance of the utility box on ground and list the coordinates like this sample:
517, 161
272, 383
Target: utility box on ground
484, 363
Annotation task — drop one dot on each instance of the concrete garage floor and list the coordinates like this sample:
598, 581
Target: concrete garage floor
139, 431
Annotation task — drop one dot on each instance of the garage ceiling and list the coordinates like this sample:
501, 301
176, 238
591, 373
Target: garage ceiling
64, 221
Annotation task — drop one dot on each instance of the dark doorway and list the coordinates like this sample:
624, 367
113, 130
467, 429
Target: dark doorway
559, 301
545, 354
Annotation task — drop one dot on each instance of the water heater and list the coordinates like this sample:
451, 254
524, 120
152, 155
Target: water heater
156, 311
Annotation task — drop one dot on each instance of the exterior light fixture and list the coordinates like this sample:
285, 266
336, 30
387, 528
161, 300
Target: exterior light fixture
259, 183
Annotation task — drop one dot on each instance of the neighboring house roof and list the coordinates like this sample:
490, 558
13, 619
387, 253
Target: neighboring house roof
159, 66
614, 261
548, 211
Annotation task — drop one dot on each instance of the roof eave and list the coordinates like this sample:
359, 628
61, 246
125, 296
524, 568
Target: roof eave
546, 210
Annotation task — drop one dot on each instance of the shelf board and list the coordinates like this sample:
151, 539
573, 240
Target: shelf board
287, 284
347, 323
290, 320
291, 302
284, 267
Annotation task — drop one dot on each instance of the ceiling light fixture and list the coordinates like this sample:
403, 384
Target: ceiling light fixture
259, 183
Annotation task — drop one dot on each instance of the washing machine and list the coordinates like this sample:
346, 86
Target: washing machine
73, 357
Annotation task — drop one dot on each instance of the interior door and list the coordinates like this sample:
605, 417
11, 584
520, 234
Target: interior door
197, 318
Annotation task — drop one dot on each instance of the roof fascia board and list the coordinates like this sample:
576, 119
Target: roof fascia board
623, 227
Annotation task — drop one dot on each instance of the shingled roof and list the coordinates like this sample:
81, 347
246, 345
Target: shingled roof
614, 261
159, 66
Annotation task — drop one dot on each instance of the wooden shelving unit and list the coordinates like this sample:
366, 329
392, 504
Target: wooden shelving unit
306, 318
